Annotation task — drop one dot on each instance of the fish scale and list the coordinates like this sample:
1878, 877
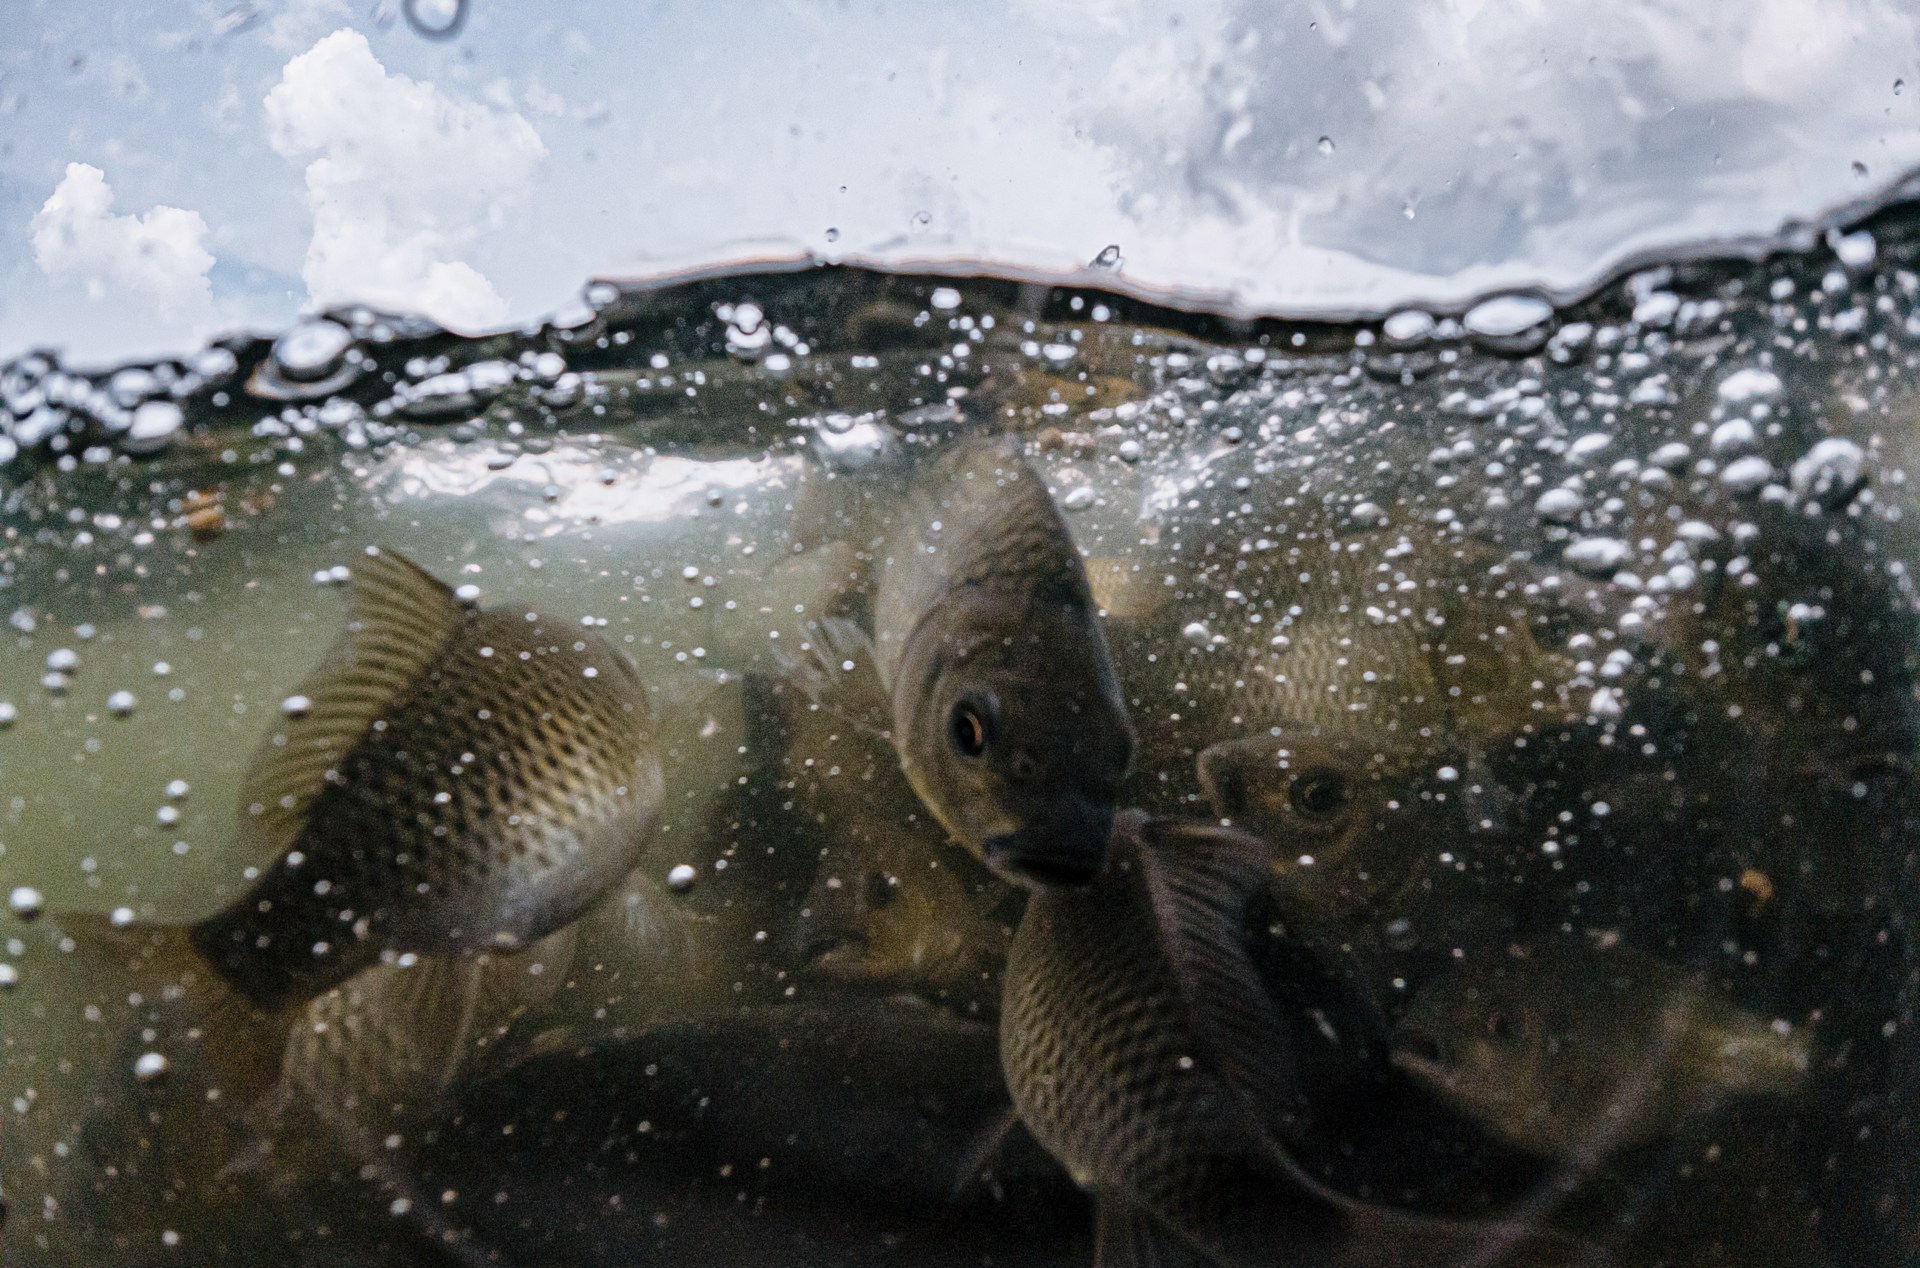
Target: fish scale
503, 784
1143, 1051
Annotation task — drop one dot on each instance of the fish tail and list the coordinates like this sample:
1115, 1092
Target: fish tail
162, 965
265, 967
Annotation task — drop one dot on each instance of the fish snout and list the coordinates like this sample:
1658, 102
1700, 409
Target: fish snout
1068, 849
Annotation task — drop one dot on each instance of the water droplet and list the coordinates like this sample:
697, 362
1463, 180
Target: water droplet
1670, 457
1197, 633
154, 424
150, 1067
1368, 514
63, 659
944, 298
1859, 169
833, 235
921, 219
296, 706
1326, 145
1898, 84
1606, 704
1588, 445
178, 789
1130, 451
436, 19
7, 714
26, 902
1408, 325
1830, 473
312, 350
1078, 499
121, 703
1506, 316
1597, 556
1855, 250
1746, 475
680, 878
1109, 258
9, 977
1561, 505
121, 917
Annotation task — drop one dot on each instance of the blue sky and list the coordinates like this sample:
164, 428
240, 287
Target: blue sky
175, 169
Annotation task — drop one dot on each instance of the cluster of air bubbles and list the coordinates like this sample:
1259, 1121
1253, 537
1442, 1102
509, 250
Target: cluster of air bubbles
136, 408
750, 337
443, 394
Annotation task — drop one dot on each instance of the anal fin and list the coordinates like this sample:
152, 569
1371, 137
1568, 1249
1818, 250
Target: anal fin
1126, 1236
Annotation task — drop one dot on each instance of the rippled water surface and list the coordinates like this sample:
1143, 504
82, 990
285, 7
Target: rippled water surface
1601, 620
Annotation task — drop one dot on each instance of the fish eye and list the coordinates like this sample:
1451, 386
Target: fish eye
970, 725
1320, 793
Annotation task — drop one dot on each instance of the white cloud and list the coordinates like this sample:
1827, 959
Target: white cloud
156, 264
407, 179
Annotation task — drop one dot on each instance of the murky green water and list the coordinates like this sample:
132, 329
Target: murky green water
1608, 612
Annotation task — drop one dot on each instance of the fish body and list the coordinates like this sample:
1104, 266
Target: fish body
998, 686
453, 781
1577, 1052
1143, 1051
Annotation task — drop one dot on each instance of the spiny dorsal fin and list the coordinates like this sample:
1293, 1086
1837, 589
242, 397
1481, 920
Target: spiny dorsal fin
1200, 880
398, 618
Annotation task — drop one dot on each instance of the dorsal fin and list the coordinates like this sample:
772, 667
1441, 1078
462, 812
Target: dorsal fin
1200, 880
398, 618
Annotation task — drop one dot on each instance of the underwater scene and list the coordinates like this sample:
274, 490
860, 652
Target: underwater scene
820, 765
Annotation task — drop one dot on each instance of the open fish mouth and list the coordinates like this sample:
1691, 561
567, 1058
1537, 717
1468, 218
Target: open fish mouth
1069, 850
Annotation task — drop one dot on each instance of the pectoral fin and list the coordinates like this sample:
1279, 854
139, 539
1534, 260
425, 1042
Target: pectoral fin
832, 662
1201, 881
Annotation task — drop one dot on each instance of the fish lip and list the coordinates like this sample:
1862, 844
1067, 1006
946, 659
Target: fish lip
1067, 852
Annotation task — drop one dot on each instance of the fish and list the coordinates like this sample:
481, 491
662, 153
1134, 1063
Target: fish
1361, 815
1392, 632
450, 780
1143, 1051
991, 666
1578, 1052
889, 911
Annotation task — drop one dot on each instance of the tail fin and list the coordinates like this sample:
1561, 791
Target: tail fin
159, 970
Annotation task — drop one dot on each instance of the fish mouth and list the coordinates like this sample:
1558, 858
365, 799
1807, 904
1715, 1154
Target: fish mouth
1066, 851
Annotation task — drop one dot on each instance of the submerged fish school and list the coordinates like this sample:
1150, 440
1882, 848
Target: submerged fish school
1314, 834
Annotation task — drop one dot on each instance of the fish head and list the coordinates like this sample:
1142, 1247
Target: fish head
1472, 1045
1011, 729
1330, 795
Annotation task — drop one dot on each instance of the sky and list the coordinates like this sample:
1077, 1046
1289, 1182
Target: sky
183, 168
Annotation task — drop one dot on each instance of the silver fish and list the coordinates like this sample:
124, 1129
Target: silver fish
1143, 1052
1004, 707
1574, 1051
451, 781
